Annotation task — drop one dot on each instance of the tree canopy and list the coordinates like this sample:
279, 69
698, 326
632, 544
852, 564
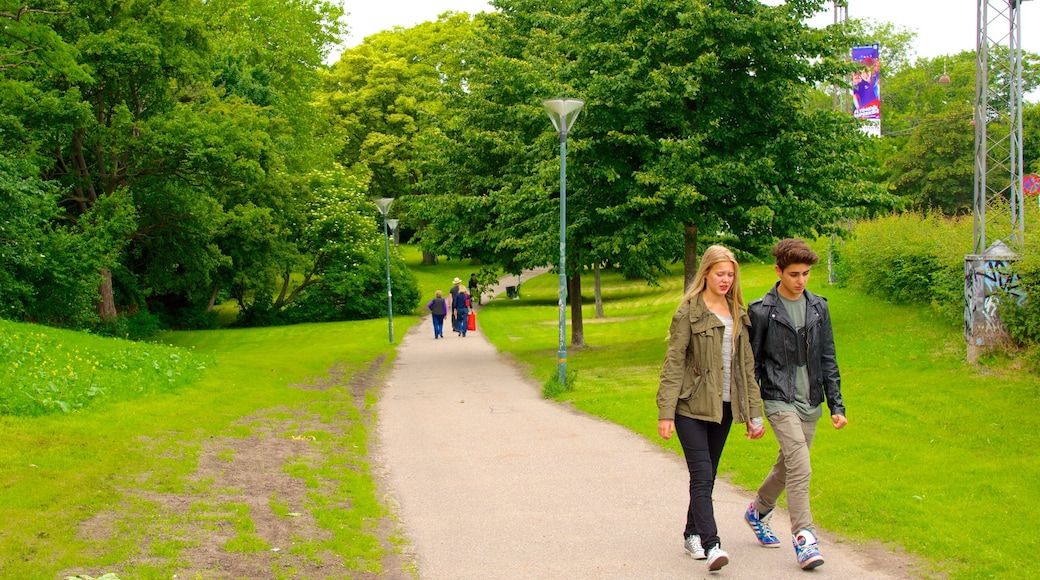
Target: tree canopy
696, 114
179, 141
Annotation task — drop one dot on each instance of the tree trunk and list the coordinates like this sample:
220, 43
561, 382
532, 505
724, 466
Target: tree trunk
690, 260
106, 307
599, 295
213, 298
574, 293
429, 258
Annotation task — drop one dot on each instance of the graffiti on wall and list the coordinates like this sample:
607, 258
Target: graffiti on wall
986, 283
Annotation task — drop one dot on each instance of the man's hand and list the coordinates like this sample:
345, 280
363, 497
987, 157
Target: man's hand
755, 432
839, 421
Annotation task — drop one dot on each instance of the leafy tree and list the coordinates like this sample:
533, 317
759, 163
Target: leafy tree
929, 156
695, 121
180, 139
388, 96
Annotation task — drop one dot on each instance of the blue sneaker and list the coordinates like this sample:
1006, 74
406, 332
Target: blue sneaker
760, 525
806, 550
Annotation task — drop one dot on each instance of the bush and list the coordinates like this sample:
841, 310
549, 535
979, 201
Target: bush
140, 325
357, 292
1022, 320
908, 259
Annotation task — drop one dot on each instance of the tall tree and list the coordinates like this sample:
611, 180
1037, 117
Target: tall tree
696, 121
184, 133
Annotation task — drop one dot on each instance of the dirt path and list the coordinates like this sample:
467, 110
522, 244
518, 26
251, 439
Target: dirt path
491, 481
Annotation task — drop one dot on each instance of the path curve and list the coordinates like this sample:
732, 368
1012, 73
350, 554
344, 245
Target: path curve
490, 481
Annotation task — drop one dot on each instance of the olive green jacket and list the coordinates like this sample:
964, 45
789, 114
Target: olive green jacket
691, 378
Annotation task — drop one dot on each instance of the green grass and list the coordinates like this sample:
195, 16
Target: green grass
937, 456
44, 370
436, 277
63, 468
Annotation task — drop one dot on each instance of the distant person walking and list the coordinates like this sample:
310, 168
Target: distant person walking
462, 306
454, 292
474, 293
438, 310
797, 369
707, 383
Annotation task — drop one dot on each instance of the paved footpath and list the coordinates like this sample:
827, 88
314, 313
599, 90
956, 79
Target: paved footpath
493, 482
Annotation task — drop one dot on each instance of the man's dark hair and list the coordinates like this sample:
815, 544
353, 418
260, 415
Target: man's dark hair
793, 251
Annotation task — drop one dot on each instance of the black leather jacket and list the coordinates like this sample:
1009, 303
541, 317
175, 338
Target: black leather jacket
775, 344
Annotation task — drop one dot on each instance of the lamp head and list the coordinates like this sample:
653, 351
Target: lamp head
383, 204
563, 113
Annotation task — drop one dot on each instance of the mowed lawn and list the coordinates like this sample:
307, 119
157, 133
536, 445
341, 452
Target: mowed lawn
938, 457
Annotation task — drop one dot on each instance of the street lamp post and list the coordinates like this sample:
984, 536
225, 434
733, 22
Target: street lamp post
563, 113
384, 208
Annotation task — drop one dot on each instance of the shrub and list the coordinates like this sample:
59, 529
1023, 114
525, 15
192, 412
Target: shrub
1022, 319
908, 259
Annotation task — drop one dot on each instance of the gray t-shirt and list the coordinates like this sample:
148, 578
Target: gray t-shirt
796, 312
727, 356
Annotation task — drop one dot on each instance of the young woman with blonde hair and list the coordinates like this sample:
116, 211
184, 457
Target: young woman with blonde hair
708, 382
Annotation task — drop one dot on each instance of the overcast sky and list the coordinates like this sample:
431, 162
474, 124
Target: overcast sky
942, 26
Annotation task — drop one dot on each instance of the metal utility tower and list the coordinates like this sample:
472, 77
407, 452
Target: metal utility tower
998, 126
999, 226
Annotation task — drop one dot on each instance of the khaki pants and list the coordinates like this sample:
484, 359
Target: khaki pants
792, 470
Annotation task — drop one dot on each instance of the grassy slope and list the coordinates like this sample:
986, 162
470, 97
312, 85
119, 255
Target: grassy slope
61, 469
937, 456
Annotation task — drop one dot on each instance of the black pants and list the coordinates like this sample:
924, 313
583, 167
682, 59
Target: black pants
702, 443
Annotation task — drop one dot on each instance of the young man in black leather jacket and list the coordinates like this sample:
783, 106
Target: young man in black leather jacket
796, 369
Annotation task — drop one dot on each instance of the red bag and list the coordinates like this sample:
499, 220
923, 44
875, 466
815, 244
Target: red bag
471, 321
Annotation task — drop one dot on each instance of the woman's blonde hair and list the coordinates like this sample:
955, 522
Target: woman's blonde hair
715, 255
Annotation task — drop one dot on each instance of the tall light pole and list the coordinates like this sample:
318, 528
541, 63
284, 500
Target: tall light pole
563, 113
384, 208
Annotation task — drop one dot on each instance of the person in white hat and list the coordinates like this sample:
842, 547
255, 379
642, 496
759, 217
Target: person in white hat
454, 291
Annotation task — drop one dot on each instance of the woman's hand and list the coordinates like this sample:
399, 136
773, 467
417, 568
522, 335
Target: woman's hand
665, 428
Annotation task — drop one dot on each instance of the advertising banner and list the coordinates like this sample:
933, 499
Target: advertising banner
866, 88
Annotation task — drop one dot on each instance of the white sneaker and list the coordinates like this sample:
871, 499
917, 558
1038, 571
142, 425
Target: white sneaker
717, 558
694, 548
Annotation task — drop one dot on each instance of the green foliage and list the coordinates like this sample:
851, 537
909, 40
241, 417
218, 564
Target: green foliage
1022, 320
387, 95
181, 148
929, 150
553, 388
682, 126
1021, 314
360, 292
908, 259
46, 371
26, 208
140, 325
